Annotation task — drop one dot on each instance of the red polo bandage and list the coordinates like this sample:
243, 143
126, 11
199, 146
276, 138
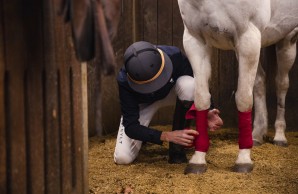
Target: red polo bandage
245, 130
201, 141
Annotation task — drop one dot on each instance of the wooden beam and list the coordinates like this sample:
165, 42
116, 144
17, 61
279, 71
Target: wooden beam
85, 126
3, 154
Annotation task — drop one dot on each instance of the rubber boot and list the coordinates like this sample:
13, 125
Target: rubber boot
176, 152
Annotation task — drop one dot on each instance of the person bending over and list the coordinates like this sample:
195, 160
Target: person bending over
155, 76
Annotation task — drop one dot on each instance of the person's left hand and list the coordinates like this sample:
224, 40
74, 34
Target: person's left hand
214, 121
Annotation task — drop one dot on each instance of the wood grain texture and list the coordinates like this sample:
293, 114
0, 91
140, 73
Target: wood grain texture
34, 110
51, 103
15, 46
3, 144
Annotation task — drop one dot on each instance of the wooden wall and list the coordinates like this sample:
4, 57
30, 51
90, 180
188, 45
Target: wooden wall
42, 146
159, 22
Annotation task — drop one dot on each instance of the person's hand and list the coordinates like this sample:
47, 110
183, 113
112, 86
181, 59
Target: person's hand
214, 121
183, 137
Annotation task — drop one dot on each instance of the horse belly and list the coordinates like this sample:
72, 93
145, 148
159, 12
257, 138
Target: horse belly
219, 39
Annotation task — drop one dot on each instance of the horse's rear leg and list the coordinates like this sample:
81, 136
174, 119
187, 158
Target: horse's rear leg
248, 51
260, 126
286, 54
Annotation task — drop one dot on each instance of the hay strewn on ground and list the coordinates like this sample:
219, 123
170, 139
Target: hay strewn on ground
276, 168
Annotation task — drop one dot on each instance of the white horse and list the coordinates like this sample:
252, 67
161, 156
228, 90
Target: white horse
244, 26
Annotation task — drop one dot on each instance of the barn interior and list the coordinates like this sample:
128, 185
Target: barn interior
58, 113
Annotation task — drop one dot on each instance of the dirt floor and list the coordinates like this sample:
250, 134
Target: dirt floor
275, 171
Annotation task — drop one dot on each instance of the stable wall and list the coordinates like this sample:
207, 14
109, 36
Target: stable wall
43, 133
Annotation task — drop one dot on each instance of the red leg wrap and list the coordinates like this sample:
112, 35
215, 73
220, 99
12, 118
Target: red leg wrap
202, 140
245, 130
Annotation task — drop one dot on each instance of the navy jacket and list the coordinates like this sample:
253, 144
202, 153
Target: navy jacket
130, 100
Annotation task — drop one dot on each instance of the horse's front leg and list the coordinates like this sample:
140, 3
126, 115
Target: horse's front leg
286, 54
248, 47
199, 56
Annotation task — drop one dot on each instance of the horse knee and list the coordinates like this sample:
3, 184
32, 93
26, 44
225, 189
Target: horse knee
202, 100
282, 83
244, 101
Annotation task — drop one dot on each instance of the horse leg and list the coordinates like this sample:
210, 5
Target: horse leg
260, 125
199, 56
248, 47
286, 54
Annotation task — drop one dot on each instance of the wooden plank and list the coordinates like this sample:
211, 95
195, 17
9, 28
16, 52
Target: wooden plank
3, 154
98, 94
15, 63
78, 122
84, 146
92, 84
228, 74
164, 22
34, 99
63, 66
178, 27
215, 76
137, 19
51, 105
129, 20
150, 20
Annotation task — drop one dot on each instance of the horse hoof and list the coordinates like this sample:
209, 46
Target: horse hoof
243, 168
195, 168
256, 143
280, 143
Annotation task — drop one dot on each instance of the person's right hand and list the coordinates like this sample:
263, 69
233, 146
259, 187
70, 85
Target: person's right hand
214, 120
183, 137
